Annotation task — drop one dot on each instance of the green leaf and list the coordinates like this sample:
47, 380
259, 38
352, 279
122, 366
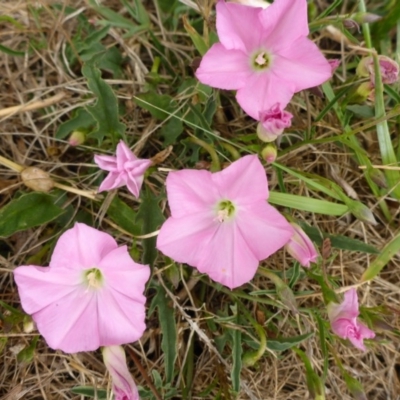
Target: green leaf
307, 204
124, 216
338, 241
82, 120
390, 250
105, 111
11, 52
28, 211
152, 217
282, 344
90, 391
166, 317
236, 355
197, 39
160, 106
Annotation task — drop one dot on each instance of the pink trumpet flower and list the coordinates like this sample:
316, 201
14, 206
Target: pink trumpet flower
125, 169
272, 123
264, 54
221, 222
301, 247
344, 323
91, 294
123, 385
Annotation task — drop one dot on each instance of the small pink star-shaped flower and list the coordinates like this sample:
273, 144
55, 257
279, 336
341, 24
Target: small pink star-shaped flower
125, 169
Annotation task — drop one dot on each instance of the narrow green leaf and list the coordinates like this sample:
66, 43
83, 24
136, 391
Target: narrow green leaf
391, 249
307, 204
197, 39
29, 210
160, 106
166, 317
282, 344
105, 111
124, 216
236, 356
150, 213
11, 52
90, 391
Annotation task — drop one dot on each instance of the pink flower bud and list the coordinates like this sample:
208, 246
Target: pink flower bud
269, 153
301, 247
344, 323
389, 69
77, 138
273, 122
123, 386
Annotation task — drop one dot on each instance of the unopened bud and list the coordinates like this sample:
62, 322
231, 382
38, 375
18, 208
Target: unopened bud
269, 153
365, 17
361, 212
378, 177
28, 324
364, 91
351, 24
37, 179
77, 138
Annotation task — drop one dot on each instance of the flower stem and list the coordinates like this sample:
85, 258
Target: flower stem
215, 164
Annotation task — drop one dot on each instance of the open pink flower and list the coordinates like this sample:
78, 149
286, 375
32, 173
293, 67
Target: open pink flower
264, 54
273, 122
125, 169
91, 295
301, 247
123, 385
344, 323
221, 223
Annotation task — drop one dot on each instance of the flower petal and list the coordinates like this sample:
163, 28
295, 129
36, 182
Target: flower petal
263, 228
347, 309
238, 26
107, 163
283, 22
112, 181
302, 64
227, 258
190, 192
262, 91
124, 154
186, 239
243, 182
224, 69
81, 247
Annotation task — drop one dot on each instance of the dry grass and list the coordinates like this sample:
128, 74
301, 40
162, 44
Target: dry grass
40, 91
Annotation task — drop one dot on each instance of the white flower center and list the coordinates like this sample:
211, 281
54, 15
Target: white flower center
93, 278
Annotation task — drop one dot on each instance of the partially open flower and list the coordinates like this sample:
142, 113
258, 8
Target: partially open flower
272, 123
344, 323
301, 247
123, 385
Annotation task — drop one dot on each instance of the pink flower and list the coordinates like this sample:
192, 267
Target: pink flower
388, 67
344, 323
91, 295
264, 54
123, 385
125, 169
221, 223
301, 247
272, 123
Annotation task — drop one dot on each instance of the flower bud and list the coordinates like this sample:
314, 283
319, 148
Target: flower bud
269, 153
28, 324
361, 212
364, 91
37, 179
123, 385
77, 138
365, 17
273, 122
301, 247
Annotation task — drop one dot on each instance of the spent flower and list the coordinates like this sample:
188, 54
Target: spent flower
264, 54
344, 322
124, 169
221, 222
389, 69
272, 123
91, 287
